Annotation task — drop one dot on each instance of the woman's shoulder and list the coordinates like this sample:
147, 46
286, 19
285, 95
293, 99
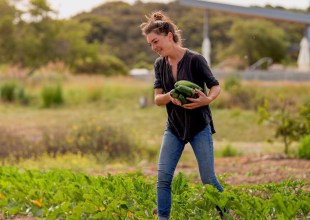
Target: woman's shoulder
159, 61
194, 54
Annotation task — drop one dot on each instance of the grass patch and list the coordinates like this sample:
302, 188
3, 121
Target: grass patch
115, 100
74, 162
230, 151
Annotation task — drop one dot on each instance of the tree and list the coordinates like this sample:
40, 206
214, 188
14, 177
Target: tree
40, 9
288, 127
99, 27
255, 39
46, 39
7, 31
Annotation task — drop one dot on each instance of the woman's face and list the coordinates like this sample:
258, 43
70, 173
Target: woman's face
160, 44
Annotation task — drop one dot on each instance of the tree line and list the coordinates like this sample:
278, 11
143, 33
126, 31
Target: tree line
109, 38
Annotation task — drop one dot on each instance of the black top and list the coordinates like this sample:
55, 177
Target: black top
183, 122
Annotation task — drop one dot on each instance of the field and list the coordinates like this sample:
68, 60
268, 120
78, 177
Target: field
100, 133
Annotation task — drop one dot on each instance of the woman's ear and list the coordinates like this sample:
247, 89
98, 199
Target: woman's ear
170, 36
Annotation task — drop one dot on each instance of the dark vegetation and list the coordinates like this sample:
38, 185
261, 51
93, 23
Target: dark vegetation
98, 41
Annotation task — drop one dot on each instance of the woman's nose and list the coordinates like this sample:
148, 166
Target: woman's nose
153, 47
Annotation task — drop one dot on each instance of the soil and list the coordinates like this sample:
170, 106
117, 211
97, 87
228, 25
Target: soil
265, 169
237, 170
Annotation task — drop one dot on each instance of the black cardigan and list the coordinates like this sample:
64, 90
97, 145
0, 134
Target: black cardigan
183, 122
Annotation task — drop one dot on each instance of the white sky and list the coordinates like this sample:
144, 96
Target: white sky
68, 8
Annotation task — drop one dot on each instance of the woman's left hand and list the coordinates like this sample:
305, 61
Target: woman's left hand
202, 100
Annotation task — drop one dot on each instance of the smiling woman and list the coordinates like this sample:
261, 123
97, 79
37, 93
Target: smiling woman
187, 122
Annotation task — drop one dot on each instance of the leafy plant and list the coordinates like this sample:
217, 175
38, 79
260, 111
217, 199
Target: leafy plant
52, 95
13, 91
232, 81
7, 91
304, 148
229, 151
287, 126
63, 194
105, 65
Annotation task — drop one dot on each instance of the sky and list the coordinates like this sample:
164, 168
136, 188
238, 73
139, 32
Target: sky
68, 8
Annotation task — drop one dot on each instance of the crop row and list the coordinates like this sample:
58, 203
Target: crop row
63, 194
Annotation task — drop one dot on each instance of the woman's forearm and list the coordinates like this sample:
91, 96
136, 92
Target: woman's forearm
214, 92
162, 99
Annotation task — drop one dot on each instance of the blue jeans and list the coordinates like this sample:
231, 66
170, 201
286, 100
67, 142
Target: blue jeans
170, 153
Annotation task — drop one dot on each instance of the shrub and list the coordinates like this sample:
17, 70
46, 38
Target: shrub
238, 95
11, 91
54, 142
289, 127
94, 94
52, 95
7, 91
243, 97
95, 138
304, 148
232, 81
229, 151
105, 65
16, 146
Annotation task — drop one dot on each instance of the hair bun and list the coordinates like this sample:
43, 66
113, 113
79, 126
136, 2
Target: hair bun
158, 16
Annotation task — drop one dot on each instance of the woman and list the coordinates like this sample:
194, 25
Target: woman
190, 122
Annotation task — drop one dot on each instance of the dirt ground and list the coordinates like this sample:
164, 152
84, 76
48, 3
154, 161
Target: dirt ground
264, 169
237, 170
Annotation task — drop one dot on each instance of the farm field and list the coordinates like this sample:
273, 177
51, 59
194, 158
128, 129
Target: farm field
61, 194
80, 134
67, 138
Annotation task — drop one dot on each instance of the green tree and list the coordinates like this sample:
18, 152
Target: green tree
40, 9
111, 28
46, 39
99, 27
288, 126
70, 45
38, 32
255, 39
7, 31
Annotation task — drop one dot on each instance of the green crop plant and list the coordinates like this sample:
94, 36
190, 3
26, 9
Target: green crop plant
63, 194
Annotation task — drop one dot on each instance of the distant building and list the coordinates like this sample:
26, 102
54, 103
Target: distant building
141, 73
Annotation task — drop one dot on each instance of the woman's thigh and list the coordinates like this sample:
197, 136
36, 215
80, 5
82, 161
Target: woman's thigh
170, 152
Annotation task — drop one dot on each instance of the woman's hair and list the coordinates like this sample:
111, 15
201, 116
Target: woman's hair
160, 24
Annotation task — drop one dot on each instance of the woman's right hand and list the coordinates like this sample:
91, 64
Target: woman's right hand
175, 101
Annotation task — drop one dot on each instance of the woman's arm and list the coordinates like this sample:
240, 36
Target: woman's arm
214, 93
164, 99
160, 98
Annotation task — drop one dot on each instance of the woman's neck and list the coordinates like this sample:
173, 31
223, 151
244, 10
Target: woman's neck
177, 55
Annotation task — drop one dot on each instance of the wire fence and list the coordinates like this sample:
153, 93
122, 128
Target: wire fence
262, 75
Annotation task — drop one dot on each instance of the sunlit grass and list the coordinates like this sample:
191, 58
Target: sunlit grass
74, 162
119, 104
116, 100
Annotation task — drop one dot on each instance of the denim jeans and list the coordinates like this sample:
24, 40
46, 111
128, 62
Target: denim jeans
170, 153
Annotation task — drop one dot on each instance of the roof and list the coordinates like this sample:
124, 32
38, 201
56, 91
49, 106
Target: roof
276, 14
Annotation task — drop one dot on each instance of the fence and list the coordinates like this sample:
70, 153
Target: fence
262, 75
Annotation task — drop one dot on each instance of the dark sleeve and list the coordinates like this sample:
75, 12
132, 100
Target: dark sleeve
205, 72
158, 81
